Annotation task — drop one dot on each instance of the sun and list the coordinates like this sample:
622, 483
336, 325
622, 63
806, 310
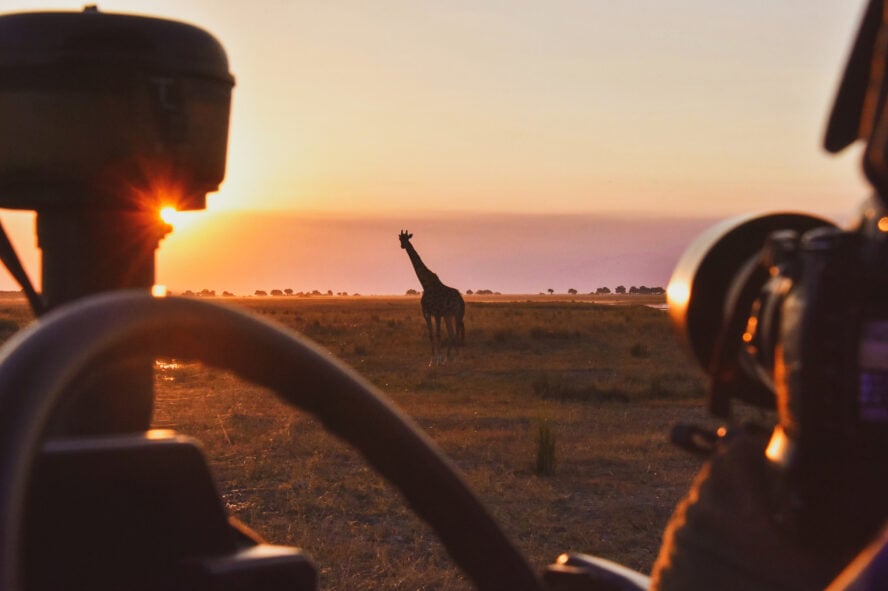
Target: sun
181, 219
169, 214
178, 219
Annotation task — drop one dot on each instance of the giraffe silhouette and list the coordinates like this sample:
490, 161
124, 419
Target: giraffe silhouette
439, 302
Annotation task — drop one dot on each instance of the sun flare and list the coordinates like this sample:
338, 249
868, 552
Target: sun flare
180, 220
169, 214
678, 293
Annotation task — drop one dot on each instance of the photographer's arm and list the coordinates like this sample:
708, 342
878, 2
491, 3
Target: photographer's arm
722, 536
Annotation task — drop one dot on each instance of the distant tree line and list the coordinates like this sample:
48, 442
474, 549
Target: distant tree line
299, 294
211, 293
206, 293
620, 290
413, 292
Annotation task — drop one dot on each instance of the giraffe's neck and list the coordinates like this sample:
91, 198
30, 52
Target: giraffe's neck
428, 279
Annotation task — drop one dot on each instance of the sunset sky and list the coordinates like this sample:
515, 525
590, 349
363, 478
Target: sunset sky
466, 120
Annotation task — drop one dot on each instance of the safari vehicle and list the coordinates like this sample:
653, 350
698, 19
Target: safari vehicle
104, 119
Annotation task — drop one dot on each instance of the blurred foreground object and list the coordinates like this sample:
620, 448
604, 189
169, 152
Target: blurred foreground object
104, 120
786, 311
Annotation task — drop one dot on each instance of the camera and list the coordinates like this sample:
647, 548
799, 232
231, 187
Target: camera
787, 311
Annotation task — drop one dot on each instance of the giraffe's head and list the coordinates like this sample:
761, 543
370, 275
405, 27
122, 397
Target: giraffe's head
404, 237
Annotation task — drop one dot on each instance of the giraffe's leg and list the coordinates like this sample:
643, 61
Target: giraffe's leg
437, 355
451, 334
428, 319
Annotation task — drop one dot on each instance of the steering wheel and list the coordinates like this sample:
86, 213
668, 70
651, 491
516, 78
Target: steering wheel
39, 363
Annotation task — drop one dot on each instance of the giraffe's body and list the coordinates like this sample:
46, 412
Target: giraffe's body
438, 302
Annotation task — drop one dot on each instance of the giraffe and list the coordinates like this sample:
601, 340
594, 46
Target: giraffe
438, 301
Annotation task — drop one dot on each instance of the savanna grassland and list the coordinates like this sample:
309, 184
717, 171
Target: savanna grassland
557, 411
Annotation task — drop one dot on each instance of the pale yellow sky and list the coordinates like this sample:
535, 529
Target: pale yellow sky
404, 110
494, 105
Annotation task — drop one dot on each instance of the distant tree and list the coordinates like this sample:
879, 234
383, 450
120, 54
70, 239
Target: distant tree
227, 294
187, 293
621, 289
602, 291
551, 291
260, 292
658, 290
633, 290
315, 292
469, 292
288, 291
277, 292
205, 293
329, 292
572, 291
412, 292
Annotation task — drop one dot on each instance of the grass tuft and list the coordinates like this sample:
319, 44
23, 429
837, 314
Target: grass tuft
545, 448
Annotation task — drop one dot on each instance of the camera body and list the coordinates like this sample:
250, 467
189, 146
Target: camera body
825, 338
796, 319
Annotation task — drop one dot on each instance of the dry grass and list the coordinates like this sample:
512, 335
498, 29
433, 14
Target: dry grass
608, 380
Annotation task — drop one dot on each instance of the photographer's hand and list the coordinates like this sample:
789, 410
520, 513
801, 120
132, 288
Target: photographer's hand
722, 536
